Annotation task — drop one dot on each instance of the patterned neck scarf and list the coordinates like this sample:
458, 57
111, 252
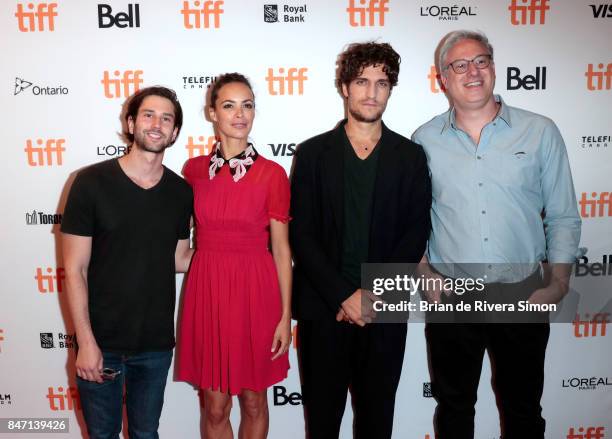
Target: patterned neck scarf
238, 165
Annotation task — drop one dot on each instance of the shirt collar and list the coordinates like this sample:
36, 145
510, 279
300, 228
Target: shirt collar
238, 165
503, 114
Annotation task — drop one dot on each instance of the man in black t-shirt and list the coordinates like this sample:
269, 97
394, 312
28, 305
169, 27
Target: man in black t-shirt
359, 193
125, 232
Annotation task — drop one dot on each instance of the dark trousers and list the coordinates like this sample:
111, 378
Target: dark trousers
517, 353
337, 356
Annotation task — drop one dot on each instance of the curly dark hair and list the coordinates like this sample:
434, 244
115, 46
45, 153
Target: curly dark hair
358, 56
224, 79
136, 101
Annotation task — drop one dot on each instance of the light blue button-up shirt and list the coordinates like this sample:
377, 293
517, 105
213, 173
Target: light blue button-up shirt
505, 204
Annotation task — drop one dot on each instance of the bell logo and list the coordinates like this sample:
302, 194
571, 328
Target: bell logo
202, 147
64, 399
281, 397
586, 433
106, 19
595, 79
528, 8
51, 282
589, 327
34, 20
37, 154
293, 75
596, 206
128, 83
207, 9
434, 80
358, 14
528, 82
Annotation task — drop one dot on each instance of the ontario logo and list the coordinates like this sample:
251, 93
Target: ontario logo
21, 85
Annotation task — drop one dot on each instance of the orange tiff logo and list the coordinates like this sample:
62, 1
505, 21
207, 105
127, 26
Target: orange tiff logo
435, 86
276, 83
528, 11
590, 327
122, 85
199, 16
43, 155
366, 15
586, 433
595, 79
64, 399
599, 205
202, 147
52, 281
32, 20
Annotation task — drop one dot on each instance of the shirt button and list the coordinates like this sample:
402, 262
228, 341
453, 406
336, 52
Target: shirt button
489, 266
484, 212
486, 239
479, 184
478, 157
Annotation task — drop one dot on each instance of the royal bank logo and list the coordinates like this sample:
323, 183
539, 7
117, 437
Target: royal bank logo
198, 82
595, 142
427, 390
36, 218
286, 14
586, 383
64, 341
21, 85
5, 399
448, 13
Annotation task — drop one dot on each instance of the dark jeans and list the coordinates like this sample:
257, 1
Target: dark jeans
144, 376
335, 356
517, 354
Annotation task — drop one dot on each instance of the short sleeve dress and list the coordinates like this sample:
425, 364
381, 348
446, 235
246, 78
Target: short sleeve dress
232, 301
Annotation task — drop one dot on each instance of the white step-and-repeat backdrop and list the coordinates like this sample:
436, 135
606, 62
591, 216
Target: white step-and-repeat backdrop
68, 66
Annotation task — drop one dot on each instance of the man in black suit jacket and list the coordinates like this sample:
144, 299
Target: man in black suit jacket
360, 193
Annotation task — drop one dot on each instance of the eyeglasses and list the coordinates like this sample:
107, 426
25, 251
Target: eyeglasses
109, 374
461, 65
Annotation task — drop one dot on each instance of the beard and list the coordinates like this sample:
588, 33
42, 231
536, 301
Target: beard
360, 117
141, 142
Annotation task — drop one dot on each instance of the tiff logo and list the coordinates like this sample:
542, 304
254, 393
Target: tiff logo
293, 75
37, 154
106, 19
64, 399
128, 83
196, 13
589, 328
588, 433
202, 147
595, 79
32, 21
435, 86
358, 14
597, 205
519, 14
602, 11
52, 281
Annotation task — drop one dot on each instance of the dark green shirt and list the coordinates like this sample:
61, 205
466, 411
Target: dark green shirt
359, 179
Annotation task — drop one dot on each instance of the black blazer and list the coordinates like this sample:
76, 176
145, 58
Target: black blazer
400, 221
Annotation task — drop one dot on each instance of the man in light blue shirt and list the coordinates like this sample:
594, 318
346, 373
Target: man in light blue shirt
503, 202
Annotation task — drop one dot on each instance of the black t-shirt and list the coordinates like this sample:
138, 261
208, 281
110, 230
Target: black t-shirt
359, 180
131, 275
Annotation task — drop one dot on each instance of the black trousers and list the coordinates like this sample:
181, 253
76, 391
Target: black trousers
517, 354
335, 356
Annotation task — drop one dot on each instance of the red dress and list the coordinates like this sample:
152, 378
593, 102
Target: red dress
232, 301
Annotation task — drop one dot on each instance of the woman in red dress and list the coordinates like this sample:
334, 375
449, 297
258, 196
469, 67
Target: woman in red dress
235, 326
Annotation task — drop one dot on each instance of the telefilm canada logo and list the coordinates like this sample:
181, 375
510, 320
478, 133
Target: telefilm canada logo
198, 82
448, 13
36, 218
64, 341
5, 399
285, 13
28, 87
595, 142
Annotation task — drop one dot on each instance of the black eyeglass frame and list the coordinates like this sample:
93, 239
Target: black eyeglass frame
486, 56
